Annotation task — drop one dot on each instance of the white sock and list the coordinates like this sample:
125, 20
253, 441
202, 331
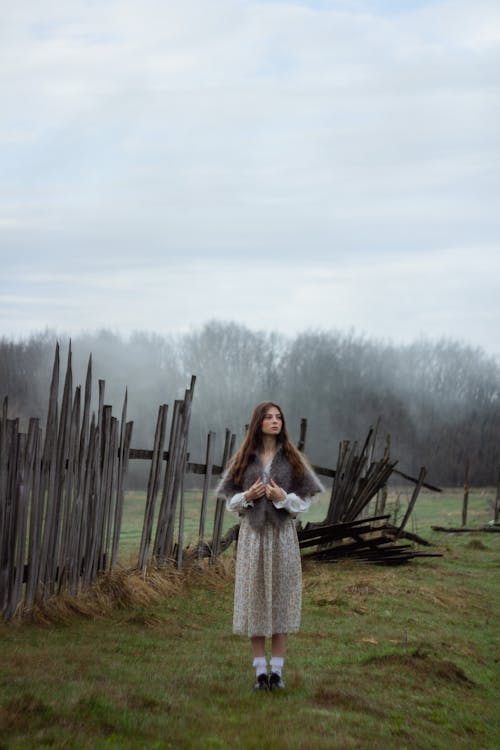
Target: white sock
277, 664
260, 665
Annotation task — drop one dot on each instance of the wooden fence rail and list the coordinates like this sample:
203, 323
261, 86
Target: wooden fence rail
62, 491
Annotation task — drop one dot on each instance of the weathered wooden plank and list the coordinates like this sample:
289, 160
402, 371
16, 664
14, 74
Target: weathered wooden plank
101, 474
177, 463
106, 479
80, 505
415, 480
52, 414
462, 529
206, 486
110, 490
377, 476
48, 478
496, 510
86, 510
5, 501
413, 500
55, 500
312, 529
7, 550
153, 485
4, 454
220, 503
168, 486
15, 518
302, 435
67, 554
24, 483
180, 536
125, 439
466, 494
334, 509
123, 457
181, 470
322, 540
90, 508
35, 531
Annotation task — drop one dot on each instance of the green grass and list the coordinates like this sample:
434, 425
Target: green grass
431, 508
394, 658
133, 517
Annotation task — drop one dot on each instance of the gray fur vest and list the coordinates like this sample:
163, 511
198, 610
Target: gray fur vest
264, 510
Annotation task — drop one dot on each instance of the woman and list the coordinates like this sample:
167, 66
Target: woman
268, 482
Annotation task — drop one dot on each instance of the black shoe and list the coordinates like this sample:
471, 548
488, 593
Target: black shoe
275, 682
262, 683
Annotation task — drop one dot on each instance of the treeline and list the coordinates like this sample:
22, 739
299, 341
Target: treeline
439, 401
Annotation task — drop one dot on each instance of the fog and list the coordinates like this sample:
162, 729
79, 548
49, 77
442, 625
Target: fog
438, 400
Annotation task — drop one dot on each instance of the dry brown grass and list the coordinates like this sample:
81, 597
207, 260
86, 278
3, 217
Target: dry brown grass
13, 713
422, 665
128, 589
327, 697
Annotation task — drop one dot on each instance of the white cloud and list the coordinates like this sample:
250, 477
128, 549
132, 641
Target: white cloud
332, 135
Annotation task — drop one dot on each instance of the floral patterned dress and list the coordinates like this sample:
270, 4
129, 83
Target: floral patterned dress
268, 585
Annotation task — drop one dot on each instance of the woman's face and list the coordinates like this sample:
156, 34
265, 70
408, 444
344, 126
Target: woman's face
272, 422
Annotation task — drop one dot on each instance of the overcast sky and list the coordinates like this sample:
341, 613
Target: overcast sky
288, 164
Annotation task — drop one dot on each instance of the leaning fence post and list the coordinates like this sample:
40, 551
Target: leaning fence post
153, 485
204, 496
497, 501
413, 500
220, 504
302, 437
466, 494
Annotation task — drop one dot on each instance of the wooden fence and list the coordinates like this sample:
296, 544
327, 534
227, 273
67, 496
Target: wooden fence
62, 491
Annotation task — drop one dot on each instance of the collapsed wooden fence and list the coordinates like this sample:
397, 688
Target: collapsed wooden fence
62, 494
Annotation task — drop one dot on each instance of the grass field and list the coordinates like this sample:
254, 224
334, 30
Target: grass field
399, 658
431, 508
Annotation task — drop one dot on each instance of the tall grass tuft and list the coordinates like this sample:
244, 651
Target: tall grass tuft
128, 589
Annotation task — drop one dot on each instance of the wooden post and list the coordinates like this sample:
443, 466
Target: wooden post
182, 507
466, 494
204, 495
23, 491
220, 504
177, 453
496, 517
302, 437
16, 456
382, 493
413, 500
162, 524
153, 485
35, 531
123, 451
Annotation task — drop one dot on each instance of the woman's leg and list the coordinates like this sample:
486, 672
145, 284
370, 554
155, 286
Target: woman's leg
259, 662
279, 644
258, 645
277, 660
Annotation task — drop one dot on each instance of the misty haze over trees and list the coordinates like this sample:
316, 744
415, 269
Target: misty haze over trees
438, 400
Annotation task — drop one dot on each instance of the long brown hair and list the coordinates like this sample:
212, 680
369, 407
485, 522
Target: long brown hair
253, 443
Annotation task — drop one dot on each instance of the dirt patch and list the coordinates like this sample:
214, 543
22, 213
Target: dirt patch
327, 697
423, 665
15, 713
147, 703
459, 599
476, 544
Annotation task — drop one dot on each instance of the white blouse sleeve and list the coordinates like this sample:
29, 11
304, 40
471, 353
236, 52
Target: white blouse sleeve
238, 502
293, 503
